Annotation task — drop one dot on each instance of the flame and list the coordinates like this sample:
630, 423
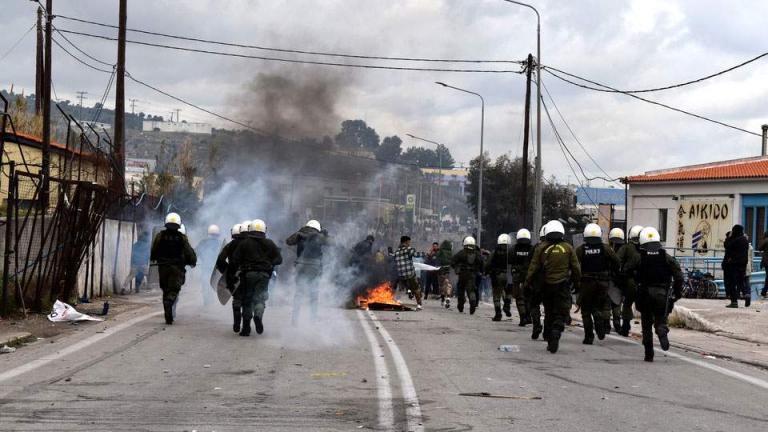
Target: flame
383, 294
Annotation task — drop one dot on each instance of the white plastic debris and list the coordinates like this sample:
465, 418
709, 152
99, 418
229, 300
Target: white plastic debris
63, 312
509, 348
7, 350
206, 366
424, 267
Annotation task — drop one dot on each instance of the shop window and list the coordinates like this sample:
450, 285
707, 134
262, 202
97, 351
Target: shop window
663, 224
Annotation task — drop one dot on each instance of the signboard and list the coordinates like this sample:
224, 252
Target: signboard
702, 224
410, 202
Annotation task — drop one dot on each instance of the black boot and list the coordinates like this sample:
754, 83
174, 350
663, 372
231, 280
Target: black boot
553, 343
600, 329
747, 299
472, 308
664, 342
497, 315
588, 339
607, 326
648, 352
536, 331
624, 328
237, 317
617, 325
524, 321
246, 330
258, 325
168, 310
460, 307
507, 308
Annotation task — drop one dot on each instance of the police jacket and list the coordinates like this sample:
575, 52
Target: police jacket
468, 261
500, 259
659, 269
557, 261
521, 260
224, 259
629, 258
309, 244
598, 261
256, 253
170, 247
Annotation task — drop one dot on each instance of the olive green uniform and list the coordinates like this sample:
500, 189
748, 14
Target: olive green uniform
629, 257
598, 262
172, 253
229, 273
310, 244
614, 309
557, 262
533, 295
467, 264
657, 273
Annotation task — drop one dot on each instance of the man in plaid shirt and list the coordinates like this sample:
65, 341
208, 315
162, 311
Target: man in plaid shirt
406, 273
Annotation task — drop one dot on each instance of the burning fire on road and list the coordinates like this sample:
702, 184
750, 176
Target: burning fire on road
382, 298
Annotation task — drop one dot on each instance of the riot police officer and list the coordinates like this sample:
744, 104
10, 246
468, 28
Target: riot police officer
171, 252
629, 256
468, 264
499, 271
521, 259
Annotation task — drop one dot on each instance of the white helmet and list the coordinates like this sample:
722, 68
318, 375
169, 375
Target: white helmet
183, 229
616, 235
523, 236
650, 239
634, 232
173, 218
593, 233
257, 225
469, 241
213, 230
555, 226
314, 224
543, 231
504, 239
236, 229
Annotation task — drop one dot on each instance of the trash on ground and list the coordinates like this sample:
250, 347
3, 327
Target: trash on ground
489, 395
509, 348
328, 374
206, 366
7, 350
63, 312
710, 357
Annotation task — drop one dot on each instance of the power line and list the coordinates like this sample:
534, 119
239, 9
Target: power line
700, 117
686, 83
284, 60
571, 131
286, 50
78, 58
81, 51
13, 47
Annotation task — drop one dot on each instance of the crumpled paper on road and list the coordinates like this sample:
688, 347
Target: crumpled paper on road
63, 312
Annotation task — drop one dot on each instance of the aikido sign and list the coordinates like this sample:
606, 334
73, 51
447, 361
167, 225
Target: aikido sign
702, 224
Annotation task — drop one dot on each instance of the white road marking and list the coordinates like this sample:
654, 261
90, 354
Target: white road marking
34, 364
412, 407
715, 368
383, 388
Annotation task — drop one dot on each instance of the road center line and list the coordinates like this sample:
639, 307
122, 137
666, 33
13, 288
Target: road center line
383, 388
412, 406
34, 364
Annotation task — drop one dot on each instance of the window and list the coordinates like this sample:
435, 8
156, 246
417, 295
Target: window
663, 224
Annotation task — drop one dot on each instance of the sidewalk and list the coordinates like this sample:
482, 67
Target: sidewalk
749, 324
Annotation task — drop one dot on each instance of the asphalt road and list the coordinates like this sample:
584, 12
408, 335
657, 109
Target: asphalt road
353, 370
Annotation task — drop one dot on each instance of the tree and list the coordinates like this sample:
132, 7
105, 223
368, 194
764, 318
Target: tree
443, 155
428, 158
390, 149
501, 197
356, 134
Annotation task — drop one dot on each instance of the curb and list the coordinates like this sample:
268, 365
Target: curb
16, 339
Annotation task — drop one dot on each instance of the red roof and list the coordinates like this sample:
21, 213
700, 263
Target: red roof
749, 168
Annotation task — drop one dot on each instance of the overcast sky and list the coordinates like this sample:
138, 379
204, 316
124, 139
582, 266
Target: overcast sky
626, 44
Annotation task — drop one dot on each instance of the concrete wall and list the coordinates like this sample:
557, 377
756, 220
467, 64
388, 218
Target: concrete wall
111, 275
182, 127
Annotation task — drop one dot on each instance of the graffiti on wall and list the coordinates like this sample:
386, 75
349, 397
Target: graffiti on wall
702, 224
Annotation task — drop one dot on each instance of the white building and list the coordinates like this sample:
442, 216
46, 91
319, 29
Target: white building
182, 127
693, 207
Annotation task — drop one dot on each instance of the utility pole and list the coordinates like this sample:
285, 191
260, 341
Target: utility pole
81, 95
119, 142
133, 105
526, 135
765, 140
39, 65
46, 150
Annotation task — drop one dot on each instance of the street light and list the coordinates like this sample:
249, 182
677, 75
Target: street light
480, 182
539, 176
439, 180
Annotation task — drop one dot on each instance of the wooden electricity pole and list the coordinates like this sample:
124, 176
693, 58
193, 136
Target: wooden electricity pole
46, 150
119, 142
39, 65
526, 136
